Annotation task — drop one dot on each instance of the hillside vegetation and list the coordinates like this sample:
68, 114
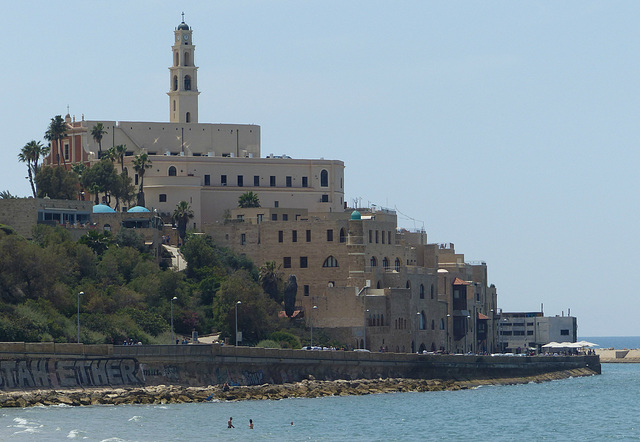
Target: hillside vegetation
126, 294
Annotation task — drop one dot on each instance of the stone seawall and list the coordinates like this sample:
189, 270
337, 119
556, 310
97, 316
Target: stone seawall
48, 366
610, 355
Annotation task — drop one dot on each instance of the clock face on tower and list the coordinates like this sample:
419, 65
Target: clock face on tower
177, 38
186, 37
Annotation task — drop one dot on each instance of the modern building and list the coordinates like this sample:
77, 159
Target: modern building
523, 331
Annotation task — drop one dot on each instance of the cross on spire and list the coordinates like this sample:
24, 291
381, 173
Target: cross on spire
183, 17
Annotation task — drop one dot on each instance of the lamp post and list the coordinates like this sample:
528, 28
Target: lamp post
237, 304
173, 337
448, 343
466, 330
315, 307
79, 293
418, 328
365, 329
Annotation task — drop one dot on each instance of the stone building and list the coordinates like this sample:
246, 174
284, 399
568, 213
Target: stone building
526, 331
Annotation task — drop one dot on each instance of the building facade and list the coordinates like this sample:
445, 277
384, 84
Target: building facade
529, 331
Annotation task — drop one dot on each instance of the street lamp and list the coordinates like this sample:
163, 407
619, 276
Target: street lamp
448, 343
365, 329
80, 293
419, 328
173, 337
237, 304
315, 307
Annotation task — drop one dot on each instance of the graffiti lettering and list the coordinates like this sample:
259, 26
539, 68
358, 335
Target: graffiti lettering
254, 378
47, 373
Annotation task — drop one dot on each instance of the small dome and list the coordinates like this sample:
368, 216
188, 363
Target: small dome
183, 27
138, 209
355, 215
102, 208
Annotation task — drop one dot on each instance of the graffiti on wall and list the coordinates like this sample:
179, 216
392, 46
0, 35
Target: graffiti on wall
166, 371
232, 377
55, 373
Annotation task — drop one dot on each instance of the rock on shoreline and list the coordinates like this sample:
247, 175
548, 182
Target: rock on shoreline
172, 394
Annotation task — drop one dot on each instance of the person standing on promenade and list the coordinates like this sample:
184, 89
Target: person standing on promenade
230, 424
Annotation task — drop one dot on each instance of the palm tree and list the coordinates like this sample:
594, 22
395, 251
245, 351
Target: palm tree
56, 132
141, 163
97, 132
120, 151
26, 155
248, 199
181, 216
271, 280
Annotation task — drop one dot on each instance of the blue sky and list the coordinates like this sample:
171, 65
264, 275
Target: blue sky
507, 128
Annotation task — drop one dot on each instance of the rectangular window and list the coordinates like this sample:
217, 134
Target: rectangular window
223, 180
303, 262
288, 181
383, 235
240, 218
135, 179
285, 217
274, 217
305, 181
240, 181
163, 197
276, 204
308, 235
243, 239
330, 235
272, 181
260, 218
325, 198
306, 290
389, 236
529, 332
280, 236
377, 231
294, 236
256, 181
66, 152
286, 262
564, 332
369, 236
207, 180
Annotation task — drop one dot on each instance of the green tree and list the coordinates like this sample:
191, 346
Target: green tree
97, 132
181, 216
248, 199
257, 314
97, 241
271, 280
6, 195
290, 291
141, 163
56, 131
102, 177
56, 182
120, 151
26, 156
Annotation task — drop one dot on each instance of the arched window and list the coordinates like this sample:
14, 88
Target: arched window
177, 61
408, 284
187, 62
324, 178
397, 261
175, 82
385, 263
421, 291
187, 83
373, 262
441, 324
188, 117
331, 261
379, 285
174, 105
433, 324
382, 319
423, 321
172, 171
431, 291
343, 237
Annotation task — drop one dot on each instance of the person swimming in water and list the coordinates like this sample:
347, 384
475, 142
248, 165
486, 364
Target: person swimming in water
250, 424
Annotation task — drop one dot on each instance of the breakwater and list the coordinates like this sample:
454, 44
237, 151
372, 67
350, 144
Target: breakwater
49, 366
610, 355
309, 388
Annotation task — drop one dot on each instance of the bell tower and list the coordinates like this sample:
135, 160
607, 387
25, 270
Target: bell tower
183, 90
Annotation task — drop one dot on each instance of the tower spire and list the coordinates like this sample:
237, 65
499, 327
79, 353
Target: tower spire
183, 89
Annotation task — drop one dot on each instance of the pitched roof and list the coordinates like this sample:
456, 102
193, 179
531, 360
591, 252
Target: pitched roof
459, 281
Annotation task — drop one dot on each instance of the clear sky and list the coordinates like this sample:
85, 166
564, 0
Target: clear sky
507, 128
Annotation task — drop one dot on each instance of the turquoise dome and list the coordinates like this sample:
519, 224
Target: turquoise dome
103, 208
355, 215
138, 209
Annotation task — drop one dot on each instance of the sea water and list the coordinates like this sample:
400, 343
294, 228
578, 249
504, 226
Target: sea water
587, 408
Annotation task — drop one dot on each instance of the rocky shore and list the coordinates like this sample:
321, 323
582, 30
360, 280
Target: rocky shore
171, 394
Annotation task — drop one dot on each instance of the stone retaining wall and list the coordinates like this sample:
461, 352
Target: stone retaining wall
52, 366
